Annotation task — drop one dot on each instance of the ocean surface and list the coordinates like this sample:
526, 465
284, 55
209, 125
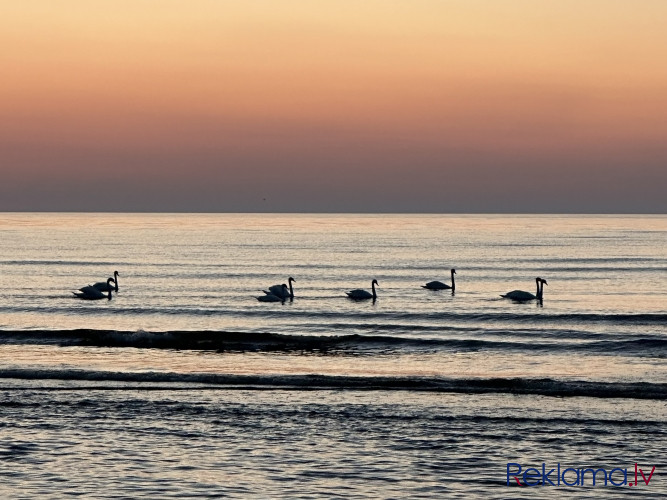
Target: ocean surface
184, 385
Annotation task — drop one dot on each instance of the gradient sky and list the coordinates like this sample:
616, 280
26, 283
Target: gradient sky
334, 106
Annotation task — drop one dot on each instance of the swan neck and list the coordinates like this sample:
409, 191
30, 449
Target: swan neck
373, 287
453, 282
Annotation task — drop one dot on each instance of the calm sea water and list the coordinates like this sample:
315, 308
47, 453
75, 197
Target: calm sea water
184, 385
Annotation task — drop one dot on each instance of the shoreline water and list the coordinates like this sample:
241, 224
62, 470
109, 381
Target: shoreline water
185, 385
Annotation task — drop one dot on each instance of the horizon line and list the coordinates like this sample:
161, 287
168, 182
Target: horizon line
196, 212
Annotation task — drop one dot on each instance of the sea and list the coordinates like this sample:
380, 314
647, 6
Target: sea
184, 385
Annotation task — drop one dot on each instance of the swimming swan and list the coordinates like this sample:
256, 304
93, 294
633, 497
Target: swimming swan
360, 294
91, 293
439, 285
521, 296
103, 286
279, 291
270, 297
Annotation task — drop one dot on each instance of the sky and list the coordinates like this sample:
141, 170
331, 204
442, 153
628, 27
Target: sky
436, 106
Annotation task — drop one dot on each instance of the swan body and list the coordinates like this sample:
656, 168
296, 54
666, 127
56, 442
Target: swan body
439, 285
281, 290
522, 296
270, 297
103, 286
360, 294
91, 293
519, 295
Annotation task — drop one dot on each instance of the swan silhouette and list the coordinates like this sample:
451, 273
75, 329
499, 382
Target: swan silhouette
270, 297
91, 293
103, 286
439, 285
541, 292
281, 290
360, 294
521, 296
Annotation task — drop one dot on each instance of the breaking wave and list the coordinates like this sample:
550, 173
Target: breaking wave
518, 386
650, 345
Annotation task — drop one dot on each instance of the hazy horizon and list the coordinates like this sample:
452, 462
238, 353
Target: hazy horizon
454, 214
334, 107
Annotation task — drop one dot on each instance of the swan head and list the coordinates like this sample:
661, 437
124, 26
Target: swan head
291, 279
375, 282
453, 271
111, 280
116, 273
543, 281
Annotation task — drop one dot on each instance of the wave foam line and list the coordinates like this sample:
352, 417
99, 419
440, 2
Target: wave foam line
646, 345
518, 386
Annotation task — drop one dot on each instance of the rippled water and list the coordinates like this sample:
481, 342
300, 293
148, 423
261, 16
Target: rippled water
185, 384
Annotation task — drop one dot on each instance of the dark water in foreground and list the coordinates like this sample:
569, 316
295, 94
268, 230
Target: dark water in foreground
184, 385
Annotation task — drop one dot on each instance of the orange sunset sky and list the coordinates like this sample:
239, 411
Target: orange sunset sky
334, 106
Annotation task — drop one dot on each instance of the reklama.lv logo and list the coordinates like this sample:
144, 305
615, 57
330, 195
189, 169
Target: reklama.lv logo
572, 476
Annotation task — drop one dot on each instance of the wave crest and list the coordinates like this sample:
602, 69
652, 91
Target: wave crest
518, 386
